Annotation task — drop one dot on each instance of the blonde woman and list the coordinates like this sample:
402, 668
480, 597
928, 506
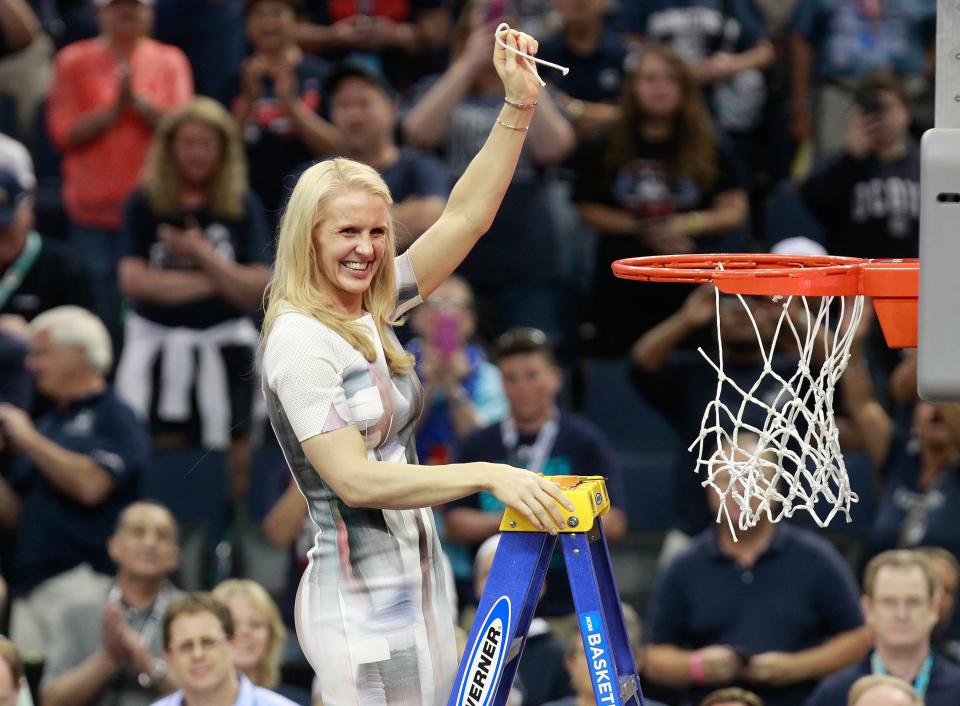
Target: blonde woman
258, 630
372, 615
194, 264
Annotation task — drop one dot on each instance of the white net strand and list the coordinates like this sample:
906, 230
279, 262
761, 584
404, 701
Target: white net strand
792, 461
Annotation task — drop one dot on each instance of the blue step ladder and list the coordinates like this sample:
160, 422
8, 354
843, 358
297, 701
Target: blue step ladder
496, 640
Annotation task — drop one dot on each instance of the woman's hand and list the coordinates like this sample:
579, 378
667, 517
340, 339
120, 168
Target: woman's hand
531, 494
519, 80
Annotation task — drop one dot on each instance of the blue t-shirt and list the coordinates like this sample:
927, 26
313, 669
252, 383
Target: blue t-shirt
595, 77
243, 240
943, 690
579, 449
799, 594
849, 42
58, 532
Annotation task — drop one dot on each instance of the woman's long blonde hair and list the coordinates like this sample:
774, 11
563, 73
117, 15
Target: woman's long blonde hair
227, 188
293, 285
267, 673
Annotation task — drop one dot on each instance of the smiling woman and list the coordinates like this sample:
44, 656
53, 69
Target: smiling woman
372, 614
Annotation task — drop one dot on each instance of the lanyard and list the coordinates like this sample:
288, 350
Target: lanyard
18, 271
922, 681
536, 460
149, 628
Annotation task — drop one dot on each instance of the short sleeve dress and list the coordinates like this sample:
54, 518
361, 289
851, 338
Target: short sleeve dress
372, 614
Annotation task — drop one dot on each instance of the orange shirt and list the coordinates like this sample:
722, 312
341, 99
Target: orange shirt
98, 176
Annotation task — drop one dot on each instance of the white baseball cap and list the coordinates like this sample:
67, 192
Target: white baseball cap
798, 245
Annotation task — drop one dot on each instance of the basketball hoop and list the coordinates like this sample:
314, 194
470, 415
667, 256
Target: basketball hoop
792, 460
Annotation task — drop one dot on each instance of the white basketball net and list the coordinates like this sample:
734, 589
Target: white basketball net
797, 463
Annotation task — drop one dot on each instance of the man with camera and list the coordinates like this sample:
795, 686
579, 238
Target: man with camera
868, 197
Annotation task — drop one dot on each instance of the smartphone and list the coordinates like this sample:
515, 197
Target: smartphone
496, 11
446, 332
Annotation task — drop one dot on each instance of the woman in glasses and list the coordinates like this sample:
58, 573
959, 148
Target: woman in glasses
343, 398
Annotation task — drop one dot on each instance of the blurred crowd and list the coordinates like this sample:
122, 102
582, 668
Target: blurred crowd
147, 149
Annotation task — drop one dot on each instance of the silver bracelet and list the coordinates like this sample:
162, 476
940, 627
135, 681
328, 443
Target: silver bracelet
518, 128
520, 106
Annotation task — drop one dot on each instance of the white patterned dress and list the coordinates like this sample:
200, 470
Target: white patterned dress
372, 614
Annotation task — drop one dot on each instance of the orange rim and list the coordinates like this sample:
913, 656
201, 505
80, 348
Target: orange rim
892, 284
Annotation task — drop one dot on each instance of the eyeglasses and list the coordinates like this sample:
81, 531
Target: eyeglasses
206, 644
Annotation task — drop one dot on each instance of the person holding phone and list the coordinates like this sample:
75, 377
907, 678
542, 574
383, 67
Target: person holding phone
343, 398
462, 390
868, 196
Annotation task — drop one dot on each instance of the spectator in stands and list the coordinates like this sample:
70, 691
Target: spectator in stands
835, 43
107, 96
595, 54
946, 569
76, 468
733, 696
108, 647
725, 44
541, 438
513, 269
14, 690
42, 272
194, 261
662, 183
541, 676
680, 384
404, 39
462, 390
25, 53
258, 631
275, 98
197, 639
728, 611
882, 690
900, 597
868, 197
919, 481
363, 107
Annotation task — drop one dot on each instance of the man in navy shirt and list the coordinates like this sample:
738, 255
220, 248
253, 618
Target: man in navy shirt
361, 105
774, 612
900, 605
539, 437
74, 471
